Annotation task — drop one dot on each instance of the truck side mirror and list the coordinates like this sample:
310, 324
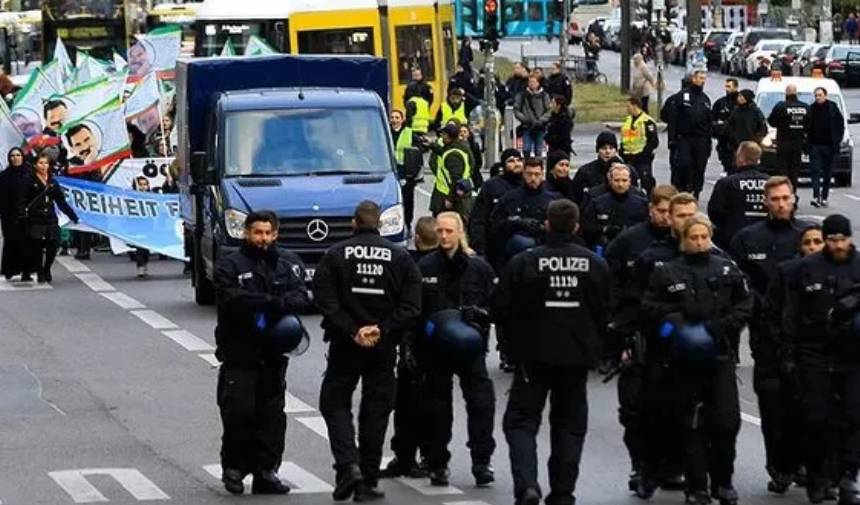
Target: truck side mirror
413, 160
199, 167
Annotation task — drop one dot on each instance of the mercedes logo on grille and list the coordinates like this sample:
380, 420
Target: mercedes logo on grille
317, 230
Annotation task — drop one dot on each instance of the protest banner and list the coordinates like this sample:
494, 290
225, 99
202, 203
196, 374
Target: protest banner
62, 57
98, 140
144, 95
148, 220
123, 174
89, 69
157, 51
27, 111
119, 63
10, 136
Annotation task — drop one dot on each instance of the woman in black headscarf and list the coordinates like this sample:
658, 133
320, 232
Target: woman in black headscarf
11, 187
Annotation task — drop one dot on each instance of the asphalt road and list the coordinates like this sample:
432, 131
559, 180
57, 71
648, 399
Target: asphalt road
107, 394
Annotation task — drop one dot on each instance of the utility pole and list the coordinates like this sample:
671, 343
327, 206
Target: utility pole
625, 45
659, 6
694, 34
490, 44
563, 42
825, 29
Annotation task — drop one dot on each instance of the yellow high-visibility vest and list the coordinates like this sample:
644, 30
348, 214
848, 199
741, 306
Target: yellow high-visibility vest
404, 141
443, 177
421, 119
634, 136
448, 113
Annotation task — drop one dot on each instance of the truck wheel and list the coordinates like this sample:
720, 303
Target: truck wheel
204, 290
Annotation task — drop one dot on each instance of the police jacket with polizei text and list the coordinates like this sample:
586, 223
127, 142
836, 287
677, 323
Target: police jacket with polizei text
520, 211
553, 300
489, 195
811, 293
709, 285
621, 256
737, 201
789, 119
367, 280
609, 214
250, 282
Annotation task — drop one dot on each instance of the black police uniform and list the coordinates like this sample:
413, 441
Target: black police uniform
721, 111
736, 202
590, 175
611, 213
521, 211
479, 219
465, 283
828, 367
365, 280
712, 290
759, 249
554, 298
621, 255
789, 119
251, 284
689, 114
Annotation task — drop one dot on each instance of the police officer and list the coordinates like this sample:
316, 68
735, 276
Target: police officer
700, 303
554, 298
746, 122
639, 139
737, 200
454, 278
789, 119
621, 255
828, 359
403, 140
369, 292
453, 167
594, 173
489, 195
758, 249
612, 212
418, 98
454, 107
255, 286
689, 115
721, 111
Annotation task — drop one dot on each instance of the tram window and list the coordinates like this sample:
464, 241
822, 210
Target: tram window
514, 12
415, 49
470, 13
343, 41
535, 11
448, 41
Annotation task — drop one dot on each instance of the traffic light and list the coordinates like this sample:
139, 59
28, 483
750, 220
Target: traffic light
491, 20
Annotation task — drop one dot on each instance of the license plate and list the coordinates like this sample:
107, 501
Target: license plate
804, 158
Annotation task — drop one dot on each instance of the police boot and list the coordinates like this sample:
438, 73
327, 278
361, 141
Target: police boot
232, 479
779, 482
484, 474
531, 496
698, 498
634, 479
726, 495
348, 478
368, 491
267, 482
848, 491
646, 488
816, 490
675, 482
439, 476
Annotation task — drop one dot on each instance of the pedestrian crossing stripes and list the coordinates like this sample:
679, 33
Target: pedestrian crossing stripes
424, 487
300, 480
211, 359
293, 405
467, 502
79, 488
315, 424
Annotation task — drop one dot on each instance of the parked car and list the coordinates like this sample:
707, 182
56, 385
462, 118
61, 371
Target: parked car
678, 52
731, 46
764, 52
713, 44
837, 60
751, 37
785, 59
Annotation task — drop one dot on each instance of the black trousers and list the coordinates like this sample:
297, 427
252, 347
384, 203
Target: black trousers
726, 154
141, 257
251, 401
661, 422
789, 162
40, 255
780, 426
688, 161
568, 419
408, 415
375, 369
408, 190
830, 401
630, 390
14, 247
480, 398
708, 395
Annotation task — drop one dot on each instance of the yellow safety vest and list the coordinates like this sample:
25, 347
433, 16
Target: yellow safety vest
448, 113
421, 119
404, 141
443, 177
633, 134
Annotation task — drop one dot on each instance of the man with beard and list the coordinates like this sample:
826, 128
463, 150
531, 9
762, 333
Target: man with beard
721, 111
612, 212
688, 114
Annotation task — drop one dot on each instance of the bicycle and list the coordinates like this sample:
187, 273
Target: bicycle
585, 70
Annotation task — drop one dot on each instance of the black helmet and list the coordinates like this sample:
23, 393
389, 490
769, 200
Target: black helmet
690, 341
517, 244
448, 333
287, 336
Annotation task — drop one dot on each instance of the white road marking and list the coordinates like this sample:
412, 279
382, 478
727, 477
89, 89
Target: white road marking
211, 359
22, 286
94, 282
852, 197
301, 481
750, 419
154, 319
293, 405
315, 424
423, 486
422, 191
188, 340
72, 265
467, 502
123, 300
75, 483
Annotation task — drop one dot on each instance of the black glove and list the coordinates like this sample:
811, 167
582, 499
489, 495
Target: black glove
693, 311
531, 226
478, 318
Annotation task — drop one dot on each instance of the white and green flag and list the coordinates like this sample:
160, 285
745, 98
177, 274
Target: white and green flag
257, 47
85, 99
27, 111
119, 63
89, 69
228, 49
62, 57
10, 136
157, 51
145, 95
98, 140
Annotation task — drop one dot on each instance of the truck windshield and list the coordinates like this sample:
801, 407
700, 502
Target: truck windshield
306, 142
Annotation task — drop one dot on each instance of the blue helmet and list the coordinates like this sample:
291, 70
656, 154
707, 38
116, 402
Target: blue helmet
690, 342
517, 244
287, 336
447, 332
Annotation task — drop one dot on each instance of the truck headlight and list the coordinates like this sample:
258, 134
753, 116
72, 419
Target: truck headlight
234, 221
391, 221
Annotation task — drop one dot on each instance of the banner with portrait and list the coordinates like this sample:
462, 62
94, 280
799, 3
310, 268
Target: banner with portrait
28, 109
98, 140
157, 51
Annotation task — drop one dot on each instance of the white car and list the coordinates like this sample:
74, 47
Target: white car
732, 45
764, 50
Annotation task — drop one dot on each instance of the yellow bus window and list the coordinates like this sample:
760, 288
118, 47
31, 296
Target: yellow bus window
450, 50
343, 41
415, 49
